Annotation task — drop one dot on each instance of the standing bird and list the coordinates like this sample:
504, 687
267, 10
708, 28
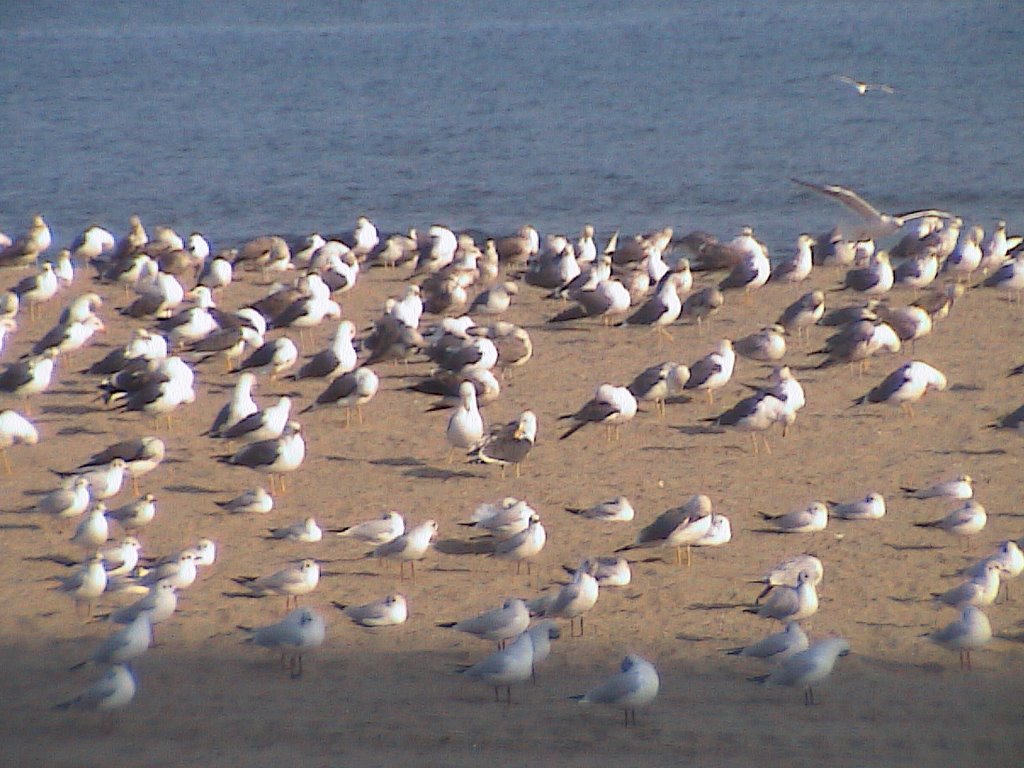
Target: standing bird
968, 633
504, 668
300, 631
350, 390
610, 405
797, 268
15, 429
714, 370
634, 685
966, 520
114, 690
509, 444
807, 668
408, 547
465, 426
905, 386
273, 457
662, 309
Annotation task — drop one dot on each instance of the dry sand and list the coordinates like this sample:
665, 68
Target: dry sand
391, 697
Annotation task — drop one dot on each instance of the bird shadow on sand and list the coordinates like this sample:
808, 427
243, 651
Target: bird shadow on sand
717, 606
697, 429
913, 547
72, 431
436, 473
70, 410
692, 638
964, 452
482, 546
19, 527
189, 488
398, 461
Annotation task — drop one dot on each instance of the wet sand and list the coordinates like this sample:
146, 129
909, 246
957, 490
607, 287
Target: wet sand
391, 696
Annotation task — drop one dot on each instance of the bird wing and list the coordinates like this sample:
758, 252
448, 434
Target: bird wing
847, 197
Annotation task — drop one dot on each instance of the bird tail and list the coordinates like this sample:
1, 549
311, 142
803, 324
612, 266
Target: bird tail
572, 430
446, 624
759, 679
733, 651
932, 524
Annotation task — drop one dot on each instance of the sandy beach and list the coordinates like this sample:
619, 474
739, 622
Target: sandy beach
391, 696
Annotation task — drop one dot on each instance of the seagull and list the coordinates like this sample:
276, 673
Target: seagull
765, 345
386, 612
757, 413
240, 406
273, 357
714, 370
291, 582
114, 690
306, 531
812, 518
663, 308
124, 645
808, 667
676, 527
37, 289
381, 530
408, 547
300, 631
787, 603
15, 429
874, 279
1009, 558
135, 514
465, 427
965, 520
981, 589
498, 624
502, 520
509, 444
752, 271
787, 573
267, 424
798, 267
28, 377
575, 598
608, 299
339, 358
968, 633
803, 313
618, 509
254, 500
160, 603
607, 571
141, 456
506, 667
862, 87
905, 386
777, 646
86, 583
871, 507
961, 487
880, 223
634, 685
105, 480
66, 503
523, 546
273, 457
659, 382
610, 405
350, 390
26, 248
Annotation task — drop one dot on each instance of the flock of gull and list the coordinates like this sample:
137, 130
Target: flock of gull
173, 290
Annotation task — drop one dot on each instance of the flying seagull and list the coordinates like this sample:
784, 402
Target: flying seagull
879, 223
